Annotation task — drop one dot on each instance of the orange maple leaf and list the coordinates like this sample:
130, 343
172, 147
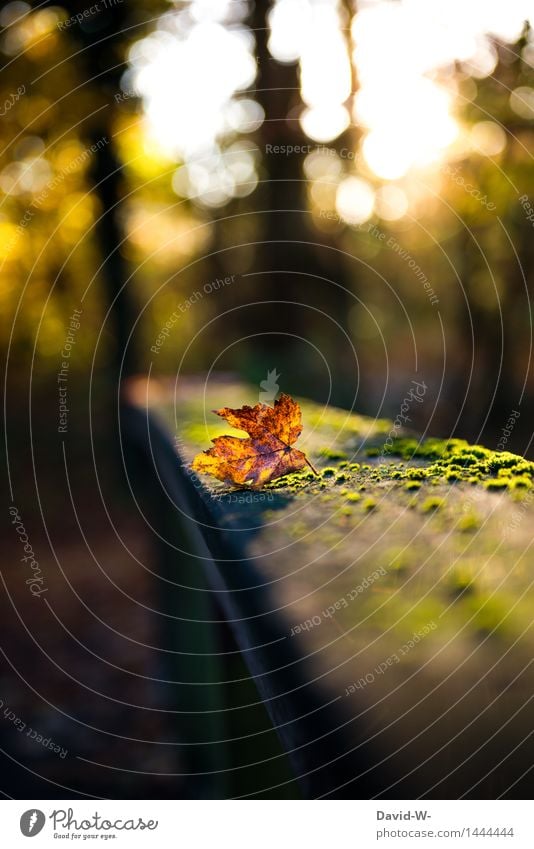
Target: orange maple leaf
266, 454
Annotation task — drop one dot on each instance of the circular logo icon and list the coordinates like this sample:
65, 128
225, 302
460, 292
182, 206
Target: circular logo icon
32, 822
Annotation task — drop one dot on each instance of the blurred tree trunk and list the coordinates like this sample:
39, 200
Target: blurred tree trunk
103, 39
293, 256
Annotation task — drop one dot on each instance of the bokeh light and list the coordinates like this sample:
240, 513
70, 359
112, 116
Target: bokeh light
310, 31
391, 203
355, 200
404, 54
173, 71
488, 138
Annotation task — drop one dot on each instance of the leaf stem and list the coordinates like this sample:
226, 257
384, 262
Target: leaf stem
312, 467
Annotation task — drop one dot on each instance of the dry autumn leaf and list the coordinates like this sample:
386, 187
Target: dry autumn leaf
266, 454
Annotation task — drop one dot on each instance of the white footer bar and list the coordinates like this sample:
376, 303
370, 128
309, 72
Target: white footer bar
267, 824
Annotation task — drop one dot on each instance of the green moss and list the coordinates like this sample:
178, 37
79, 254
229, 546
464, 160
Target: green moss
399, 563
328, 472
469, 522
489, 613
415, 474
496, 484
353, 496
369, 504
432, 504
521, 482
455, 461
342, 477
412, 485
297, 530
461, 581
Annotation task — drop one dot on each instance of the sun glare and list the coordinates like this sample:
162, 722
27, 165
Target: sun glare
404, 53
196, 71
190, 72
310, 31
